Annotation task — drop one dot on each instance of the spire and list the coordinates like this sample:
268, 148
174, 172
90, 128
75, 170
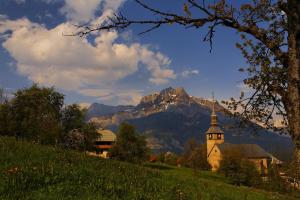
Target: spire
214, 121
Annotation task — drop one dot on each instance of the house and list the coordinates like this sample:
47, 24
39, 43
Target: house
217, 148
105, 142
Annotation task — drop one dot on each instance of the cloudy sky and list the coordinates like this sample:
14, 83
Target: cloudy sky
111, 67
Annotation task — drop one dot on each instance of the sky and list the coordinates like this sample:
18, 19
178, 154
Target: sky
111, 67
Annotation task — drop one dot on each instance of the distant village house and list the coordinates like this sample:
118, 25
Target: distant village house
104, 143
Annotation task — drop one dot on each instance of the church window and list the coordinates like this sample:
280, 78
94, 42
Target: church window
219, 136
210, 136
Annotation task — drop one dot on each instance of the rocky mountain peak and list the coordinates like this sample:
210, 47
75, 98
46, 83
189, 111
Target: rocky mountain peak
166, 98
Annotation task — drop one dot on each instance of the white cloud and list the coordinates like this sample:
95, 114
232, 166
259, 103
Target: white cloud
84, 10
84, 105
80, 10
123, 97
187, 73
47, 57
113, 4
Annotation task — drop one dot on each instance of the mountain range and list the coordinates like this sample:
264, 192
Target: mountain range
171, 117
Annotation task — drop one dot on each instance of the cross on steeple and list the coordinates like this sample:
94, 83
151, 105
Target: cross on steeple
214, 101
214, 121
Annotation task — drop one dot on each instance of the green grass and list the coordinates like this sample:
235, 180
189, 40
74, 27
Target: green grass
30, 171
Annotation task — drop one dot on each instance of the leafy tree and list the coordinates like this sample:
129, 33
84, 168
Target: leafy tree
77, 133
170, 158
90, 133
72, 117
239, 170
270, 44
129, 145
161, 157
36, 114
275, 181
6, 119
195, 156
74, 139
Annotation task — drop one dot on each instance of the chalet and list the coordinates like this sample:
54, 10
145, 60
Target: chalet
105, 142
217, 148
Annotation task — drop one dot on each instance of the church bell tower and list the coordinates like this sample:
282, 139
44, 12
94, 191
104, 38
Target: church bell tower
214, 135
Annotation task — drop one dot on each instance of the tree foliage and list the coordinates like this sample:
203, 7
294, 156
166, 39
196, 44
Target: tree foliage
129, 145
239, 170
195, 156
36, 114
78, 134
72, 117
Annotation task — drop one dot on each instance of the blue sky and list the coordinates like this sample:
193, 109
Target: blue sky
116, 67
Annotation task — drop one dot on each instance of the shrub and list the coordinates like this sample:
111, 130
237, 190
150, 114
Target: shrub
195, 156
170, 158
239, 170
129, 145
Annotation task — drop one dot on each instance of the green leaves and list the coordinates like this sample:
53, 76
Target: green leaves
34, 114
186, 10
130, 146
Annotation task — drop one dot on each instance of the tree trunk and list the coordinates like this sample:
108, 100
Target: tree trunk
293, 95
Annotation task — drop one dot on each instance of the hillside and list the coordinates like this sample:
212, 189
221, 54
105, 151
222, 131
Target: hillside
31, 171
170, 117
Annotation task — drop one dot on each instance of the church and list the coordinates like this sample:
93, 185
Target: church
217, 147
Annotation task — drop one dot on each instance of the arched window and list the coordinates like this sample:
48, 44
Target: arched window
219, 136
210, 136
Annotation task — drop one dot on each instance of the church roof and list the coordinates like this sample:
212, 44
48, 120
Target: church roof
214, 129
106, 136
247, 150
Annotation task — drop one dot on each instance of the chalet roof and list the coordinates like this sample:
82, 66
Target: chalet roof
247, 150
106, 135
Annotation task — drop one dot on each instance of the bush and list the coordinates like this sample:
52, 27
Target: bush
275, 182
239, 170
170, 158
195, 156
129, 145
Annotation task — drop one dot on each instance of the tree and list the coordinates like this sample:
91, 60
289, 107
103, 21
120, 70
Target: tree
239, 170
72, 117
74, 139
170, 158
6, 119
77, 133
270, 33
129, 145
36, 113
90, 133
195, 156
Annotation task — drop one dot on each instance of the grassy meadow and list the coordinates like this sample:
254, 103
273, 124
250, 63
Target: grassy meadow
31, 171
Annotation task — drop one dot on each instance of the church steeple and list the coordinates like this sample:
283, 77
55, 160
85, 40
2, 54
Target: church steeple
214, 135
